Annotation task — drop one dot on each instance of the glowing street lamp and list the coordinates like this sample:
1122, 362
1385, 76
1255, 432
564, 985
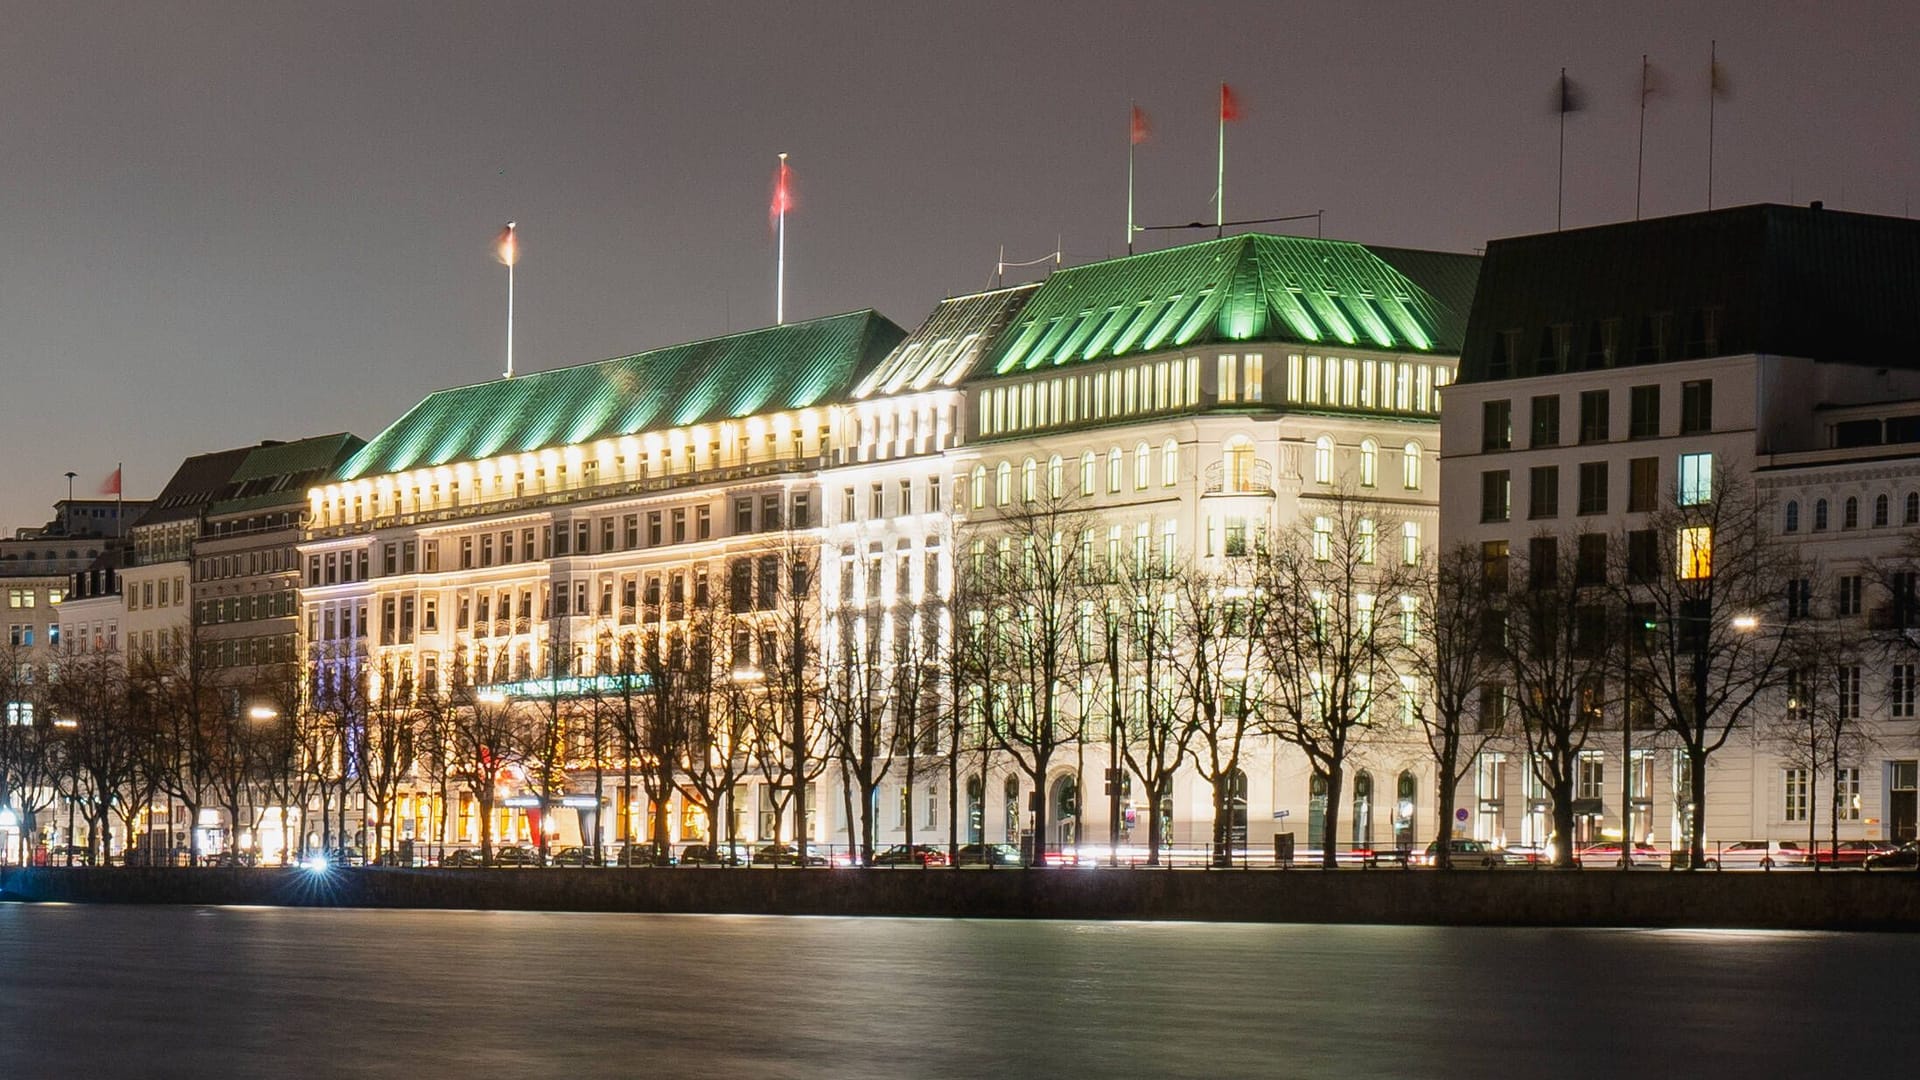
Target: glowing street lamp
263, 712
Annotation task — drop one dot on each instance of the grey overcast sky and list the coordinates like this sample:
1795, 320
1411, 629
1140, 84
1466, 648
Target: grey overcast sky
229, 222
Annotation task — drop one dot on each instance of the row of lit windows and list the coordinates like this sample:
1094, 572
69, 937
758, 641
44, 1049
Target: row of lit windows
1369, 463
1135, 390
1348, 383
1089, 478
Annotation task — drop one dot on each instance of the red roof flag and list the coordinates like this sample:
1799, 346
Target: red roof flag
1139, 130
112, 484
1229, 103
507, 246
782, 189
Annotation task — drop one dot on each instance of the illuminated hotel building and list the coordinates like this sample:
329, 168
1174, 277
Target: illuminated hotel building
1192, 401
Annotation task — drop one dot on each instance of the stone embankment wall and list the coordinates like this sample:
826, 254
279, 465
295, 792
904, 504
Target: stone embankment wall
1779, 900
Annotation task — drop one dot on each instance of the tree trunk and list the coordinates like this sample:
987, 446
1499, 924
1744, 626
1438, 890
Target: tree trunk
1330, 828
1697, 776
1443, 841
1562, 794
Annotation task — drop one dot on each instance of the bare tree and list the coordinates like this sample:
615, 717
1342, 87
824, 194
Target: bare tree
102, 748
858, 716
1332, 636
1446, 652
1146, 633
1820, 725
787, 743
1718, 645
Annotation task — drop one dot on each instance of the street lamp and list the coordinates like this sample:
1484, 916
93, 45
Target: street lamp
263, 712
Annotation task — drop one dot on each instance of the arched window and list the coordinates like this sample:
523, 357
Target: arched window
1239, 461
976, 810
1819, 515
1029, 479
1089, 473
1362, 809
1365, 539
1369, 462
1170, 464
1056, 477
1850, 513
1066, 809
1114, 471
1316, 811
1879, 511
1012, 792
1405, 800
1410, 466
1323, 460
1912, 514
1142, 466
1003, 484
979, 486
1793, 516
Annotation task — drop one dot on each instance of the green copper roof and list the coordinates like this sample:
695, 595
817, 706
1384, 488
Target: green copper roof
278, 474
1244, 288
780, 367
946, 347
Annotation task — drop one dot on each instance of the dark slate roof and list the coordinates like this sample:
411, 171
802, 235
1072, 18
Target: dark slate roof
1780, 280
779, 367
1253, 287
947, 347
198, 482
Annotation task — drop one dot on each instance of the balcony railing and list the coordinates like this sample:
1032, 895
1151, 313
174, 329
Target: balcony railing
1254, 479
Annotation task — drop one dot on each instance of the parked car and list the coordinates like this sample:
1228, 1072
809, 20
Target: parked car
1904, 857
917, 855
1756, 854
1463, 853
571, 856
713, 855
784, 855
151, 856
1525, 855
57, 855
1850, 852
1606, 855
231, 859
392, 857
511, 855
645, 854
460, 857
989, 855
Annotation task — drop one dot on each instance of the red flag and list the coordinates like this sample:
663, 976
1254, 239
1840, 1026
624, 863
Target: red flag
1229, 103
782, 190
507, 246
1139, 130
112, 484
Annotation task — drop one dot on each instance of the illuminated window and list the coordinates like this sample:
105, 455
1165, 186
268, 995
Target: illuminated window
1029, 476
1089, 473
1695, 553
1696, 479
1410, 543
1323, 460
1003, 484
1369, 462
1365, 537
1254, 375
1239, 464
1115, 470
979, 486
1170, 464
1322, 539
1410, 466
1229, 372
1056, 477
1142, 466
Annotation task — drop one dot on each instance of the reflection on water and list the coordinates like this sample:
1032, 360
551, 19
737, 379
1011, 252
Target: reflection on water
217, 992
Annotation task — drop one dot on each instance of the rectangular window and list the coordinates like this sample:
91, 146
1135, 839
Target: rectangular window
1496, 495
1694, 553
1643, 484
1848, 686
1255, 377
1496, 425
1696, 479
1546, 421
1229, 369
1696, 407
1643, 421
1900, 692
1793, 786
1643, 556
1543, 492
1593, 416
742, 516
653, 528
1847, 595
1593, 487
1493, 565
1592, 567
1543, 562
678, 523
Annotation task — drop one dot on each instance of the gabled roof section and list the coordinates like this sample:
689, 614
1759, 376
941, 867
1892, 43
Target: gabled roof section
1800, 281
198, 482
949, 345
780, 367
280, 473
1244, 288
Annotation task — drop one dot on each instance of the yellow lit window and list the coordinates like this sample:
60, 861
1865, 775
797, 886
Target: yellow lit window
1695, 553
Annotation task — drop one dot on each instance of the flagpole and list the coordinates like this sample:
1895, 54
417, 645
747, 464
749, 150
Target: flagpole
780, 257
1560, 184
1640, 162
1131, 142
119, 499
1713, 64
1220, 176
511, 250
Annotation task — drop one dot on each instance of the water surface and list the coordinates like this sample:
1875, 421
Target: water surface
258, 992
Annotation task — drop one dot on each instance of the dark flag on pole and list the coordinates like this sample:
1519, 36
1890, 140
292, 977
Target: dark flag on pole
1718, 87
1567, 98
1567, 95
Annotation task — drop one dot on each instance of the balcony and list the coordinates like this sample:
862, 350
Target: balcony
1253, 478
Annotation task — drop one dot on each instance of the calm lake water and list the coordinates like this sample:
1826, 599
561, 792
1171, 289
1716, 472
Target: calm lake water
250, 992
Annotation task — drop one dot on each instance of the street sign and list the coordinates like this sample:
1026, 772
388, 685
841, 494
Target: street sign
1460, 815
1278, 814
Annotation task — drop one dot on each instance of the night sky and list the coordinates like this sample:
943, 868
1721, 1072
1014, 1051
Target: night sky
232, 222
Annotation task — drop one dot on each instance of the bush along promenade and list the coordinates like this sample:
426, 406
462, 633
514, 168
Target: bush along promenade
1778, 901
